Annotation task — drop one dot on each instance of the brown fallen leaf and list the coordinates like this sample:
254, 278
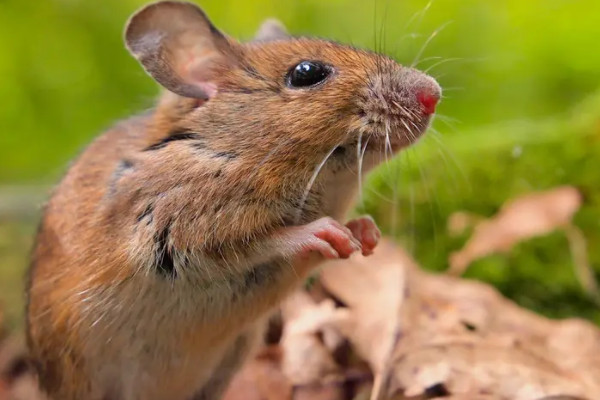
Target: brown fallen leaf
470, 368
373, 291
442, 309
13, 361
308, 342
467, 396
457, 333
17, 382
306, 358
523, 218
459, 221
261, 379
519, 219
25, 388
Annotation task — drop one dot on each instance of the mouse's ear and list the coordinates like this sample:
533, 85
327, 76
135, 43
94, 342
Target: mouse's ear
271, 29
179, 47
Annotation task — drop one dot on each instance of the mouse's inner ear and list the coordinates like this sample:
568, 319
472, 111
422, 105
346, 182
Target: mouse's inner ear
179, 47
271, 29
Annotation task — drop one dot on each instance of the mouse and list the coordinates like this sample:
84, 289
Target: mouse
176, 233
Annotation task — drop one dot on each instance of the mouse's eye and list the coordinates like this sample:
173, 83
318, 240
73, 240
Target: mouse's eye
307, 73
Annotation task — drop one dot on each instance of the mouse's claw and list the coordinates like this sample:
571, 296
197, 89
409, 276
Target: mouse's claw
325, 236
366, 232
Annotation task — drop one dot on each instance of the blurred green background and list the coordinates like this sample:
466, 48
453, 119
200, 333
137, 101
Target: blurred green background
521, 112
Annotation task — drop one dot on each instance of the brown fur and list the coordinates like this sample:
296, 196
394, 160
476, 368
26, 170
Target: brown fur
167, 240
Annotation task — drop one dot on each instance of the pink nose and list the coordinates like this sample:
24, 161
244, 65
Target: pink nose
428, 100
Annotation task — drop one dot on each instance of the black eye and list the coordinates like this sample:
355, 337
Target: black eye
307, 73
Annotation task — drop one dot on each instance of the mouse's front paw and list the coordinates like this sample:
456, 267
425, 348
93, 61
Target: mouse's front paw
366, 232
327, 237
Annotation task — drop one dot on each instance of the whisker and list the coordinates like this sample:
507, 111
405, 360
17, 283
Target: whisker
312, 180
453, 88
448, 121
413, 219
380, 195
457, 61
449, 124
412, 35
395, 205
408, 130
375, 26
382, 31
429, 39
438, 137
391, 174
359, 161
428, 59
447, 118
388, 145
441, 62
365, 148
419, 14
430, 203
361, 150
418, 17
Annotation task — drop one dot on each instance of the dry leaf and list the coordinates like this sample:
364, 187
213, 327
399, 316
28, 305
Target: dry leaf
306, 359
308, 341
432, 393
261, 379
374, 297
477, 367
25, 388
458, 333
16, 379
520, 219
459, 221
372, 288
526, 217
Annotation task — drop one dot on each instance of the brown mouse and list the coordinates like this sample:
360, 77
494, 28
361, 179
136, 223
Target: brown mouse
176, 233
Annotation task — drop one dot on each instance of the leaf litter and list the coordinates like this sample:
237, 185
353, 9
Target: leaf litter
382, 328
526, 217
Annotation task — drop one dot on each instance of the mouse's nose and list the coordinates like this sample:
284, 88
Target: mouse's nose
426, 90
428, 99
428, 93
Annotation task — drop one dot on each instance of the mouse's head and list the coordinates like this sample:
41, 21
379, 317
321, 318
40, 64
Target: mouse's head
282, 101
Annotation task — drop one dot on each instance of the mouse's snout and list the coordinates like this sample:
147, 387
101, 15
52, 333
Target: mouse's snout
399, 103
429, 96
424, 88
